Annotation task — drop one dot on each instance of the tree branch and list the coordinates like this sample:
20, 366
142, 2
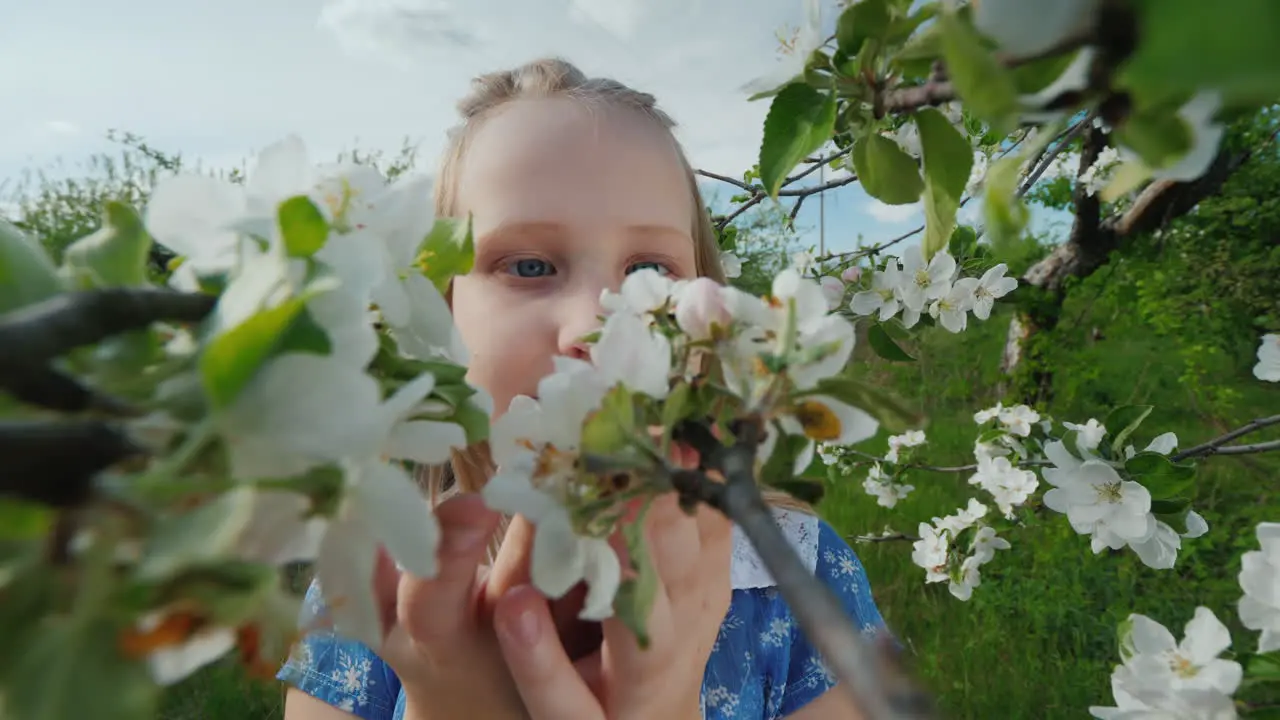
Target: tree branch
1218, 445
54, 463
879, 685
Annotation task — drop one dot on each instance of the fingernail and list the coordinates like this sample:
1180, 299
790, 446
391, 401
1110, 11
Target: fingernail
524, 629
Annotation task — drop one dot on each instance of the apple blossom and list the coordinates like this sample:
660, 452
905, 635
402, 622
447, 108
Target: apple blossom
1268, 367
1260, 579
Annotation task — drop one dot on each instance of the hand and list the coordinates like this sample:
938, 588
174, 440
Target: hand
620, 681
438, 633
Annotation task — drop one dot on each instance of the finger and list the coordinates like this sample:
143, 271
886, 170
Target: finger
671, 538
547, 681
438, 607
513, 565
386, 584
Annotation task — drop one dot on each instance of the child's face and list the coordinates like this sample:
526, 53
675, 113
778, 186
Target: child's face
564, 206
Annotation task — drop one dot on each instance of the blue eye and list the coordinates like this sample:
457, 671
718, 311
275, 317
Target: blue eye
647, 265
532, 268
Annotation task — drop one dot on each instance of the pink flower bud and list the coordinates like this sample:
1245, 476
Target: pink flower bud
832, 290
700, 307
851, 274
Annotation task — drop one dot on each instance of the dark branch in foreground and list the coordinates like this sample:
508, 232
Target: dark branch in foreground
32, 336
54, 463
880, 686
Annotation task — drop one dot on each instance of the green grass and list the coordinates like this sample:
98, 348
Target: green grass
1038, 638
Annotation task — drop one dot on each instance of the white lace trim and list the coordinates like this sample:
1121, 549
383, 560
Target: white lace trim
748, 570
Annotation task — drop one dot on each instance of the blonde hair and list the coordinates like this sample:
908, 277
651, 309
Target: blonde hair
468, 470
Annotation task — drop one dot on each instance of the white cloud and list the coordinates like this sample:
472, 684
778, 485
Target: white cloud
397, 31
619, 17
62, 127
893, 214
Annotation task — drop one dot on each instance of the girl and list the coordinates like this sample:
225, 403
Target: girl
573, 183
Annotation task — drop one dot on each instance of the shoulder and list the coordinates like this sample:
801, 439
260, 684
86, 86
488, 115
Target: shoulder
337, 671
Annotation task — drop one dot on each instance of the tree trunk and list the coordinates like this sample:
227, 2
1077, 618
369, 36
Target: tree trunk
1087, 249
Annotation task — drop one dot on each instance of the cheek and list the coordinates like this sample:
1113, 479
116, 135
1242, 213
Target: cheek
511, 343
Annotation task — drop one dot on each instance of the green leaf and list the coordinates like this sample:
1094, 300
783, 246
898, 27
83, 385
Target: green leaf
948, 157
448, 250
302, 226
305, 335
634, 601
1005, 213
474, 421
1122, 421
116, 254
903, 27
963, 243
1176, 506
27, 275
232, 357
885, 171
75, 670
1032, 77
1160, 475
205, 533
985, 86
1187, 45
1158, 135
884, 345
800, 120
612, 427
22, 520
940, 210
860, 21
679, 403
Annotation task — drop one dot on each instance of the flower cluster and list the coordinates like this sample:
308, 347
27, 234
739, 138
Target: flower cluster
913, 285
1189, 679
939, 551
659, 339
1268, 367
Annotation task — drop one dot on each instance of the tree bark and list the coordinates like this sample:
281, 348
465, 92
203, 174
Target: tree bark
1087, 249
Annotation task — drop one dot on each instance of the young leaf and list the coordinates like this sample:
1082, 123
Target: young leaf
884, 345
634, 600
1158, 135
116, 254
1122, 421
985, 86
302, 226
27, 275
1005, 213
940, 210
801, 118
1159, 475
611, 428
448, 250
886, 172
948, 158
1188, 45
860, 21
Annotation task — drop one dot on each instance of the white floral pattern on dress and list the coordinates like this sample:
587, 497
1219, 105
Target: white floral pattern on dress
762, 667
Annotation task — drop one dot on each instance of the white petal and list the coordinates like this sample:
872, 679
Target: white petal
1206, 636
189, 214
279, 531
509, 491
283, 170
558, 560
603, 575
169, 665
393, 507
345, 568
425, 441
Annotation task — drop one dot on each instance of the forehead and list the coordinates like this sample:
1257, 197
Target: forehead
561, 161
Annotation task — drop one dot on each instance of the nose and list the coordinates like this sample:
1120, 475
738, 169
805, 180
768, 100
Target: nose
579, 315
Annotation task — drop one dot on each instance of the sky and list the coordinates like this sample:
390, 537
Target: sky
217, 81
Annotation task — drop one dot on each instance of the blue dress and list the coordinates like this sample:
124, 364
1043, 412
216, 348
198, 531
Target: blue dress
761, 667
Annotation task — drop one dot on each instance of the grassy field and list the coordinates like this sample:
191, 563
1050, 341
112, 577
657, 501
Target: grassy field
1037, 640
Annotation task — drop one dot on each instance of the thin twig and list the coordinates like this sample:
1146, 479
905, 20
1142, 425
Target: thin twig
887, 537
1215, 446
939, 468
1047, 157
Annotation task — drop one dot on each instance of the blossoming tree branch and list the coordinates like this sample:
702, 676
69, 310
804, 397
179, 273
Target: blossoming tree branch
169, 449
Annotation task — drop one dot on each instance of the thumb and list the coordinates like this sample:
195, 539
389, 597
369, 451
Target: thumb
548, 682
